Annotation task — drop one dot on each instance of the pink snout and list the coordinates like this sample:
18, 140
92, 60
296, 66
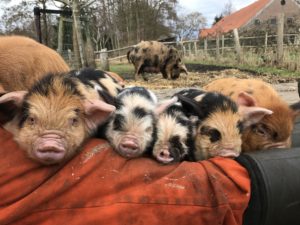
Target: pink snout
49, 149
164, 155
129, 147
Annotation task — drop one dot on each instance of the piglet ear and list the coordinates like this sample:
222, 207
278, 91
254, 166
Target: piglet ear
15, 97
190, 105
244, 99
252, 115
97, 112
10, 103
165, 104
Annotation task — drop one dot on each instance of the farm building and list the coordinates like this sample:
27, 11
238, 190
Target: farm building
260, 16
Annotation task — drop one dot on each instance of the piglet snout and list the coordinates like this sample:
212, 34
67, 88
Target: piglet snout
163, 155
129, 147
50, 148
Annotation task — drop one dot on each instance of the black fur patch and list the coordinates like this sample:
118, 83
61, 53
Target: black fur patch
87, 75
211, 102
24, 113
213, 134
139, 112
43, 86
176, 148
135, 90
118, 122
240, 126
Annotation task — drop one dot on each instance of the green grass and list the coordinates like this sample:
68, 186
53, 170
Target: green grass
255, 69
122, 68
128, 69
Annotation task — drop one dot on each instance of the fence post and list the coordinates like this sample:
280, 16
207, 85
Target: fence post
280, 28
183, 49
104, 64
218, 46
195, 47
223, 44
266, 42
205, 46
237, 45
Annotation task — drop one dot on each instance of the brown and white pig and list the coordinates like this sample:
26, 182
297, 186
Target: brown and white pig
218, 122
154, 57
23, 61
53, 119
274, 130
132, 128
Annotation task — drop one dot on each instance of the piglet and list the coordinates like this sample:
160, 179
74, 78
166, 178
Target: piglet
53, 119
175, 136
273, 130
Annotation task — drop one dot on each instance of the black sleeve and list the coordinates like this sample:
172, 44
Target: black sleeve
275, 187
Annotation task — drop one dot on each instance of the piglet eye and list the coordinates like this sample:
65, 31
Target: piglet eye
149, 130
74, 122
31, 120
260, 129
213, 134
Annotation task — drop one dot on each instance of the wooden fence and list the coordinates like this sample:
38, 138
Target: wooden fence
256, 50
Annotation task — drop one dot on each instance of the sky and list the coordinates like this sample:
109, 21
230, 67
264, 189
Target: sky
211, 8
208, 8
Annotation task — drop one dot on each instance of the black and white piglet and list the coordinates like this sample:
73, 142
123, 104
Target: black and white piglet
175, 134
132, 128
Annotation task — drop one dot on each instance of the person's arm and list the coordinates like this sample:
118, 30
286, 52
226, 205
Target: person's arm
98, 186
275, 187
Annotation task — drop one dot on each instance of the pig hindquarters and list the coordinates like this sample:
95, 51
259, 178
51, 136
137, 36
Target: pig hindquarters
23, 61
58, 113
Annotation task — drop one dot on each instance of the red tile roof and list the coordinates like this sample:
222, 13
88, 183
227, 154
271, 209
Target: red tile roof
236, 19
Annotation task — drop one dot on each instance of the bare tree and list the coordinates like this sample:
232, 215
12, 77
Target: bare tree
228, 8
189, 25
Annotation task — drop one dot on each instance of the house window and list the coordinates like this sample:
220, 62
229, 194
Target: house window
273, 21
257, 21
290, 20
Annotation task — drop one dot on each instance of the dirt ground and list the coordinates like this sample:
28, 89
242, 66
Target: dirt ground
286, 87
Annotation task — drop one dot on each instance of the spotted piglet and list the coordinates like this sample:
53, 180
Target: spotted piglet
132, 128
273, 130
52, 120
218, 122
175, 133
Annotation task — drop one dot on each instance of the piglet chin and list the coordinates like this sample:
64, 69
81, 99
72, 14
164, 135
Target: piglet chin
228, 153
49, 149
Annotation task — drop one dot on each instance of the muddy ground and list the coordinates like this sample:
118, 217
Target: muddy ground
200, 75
